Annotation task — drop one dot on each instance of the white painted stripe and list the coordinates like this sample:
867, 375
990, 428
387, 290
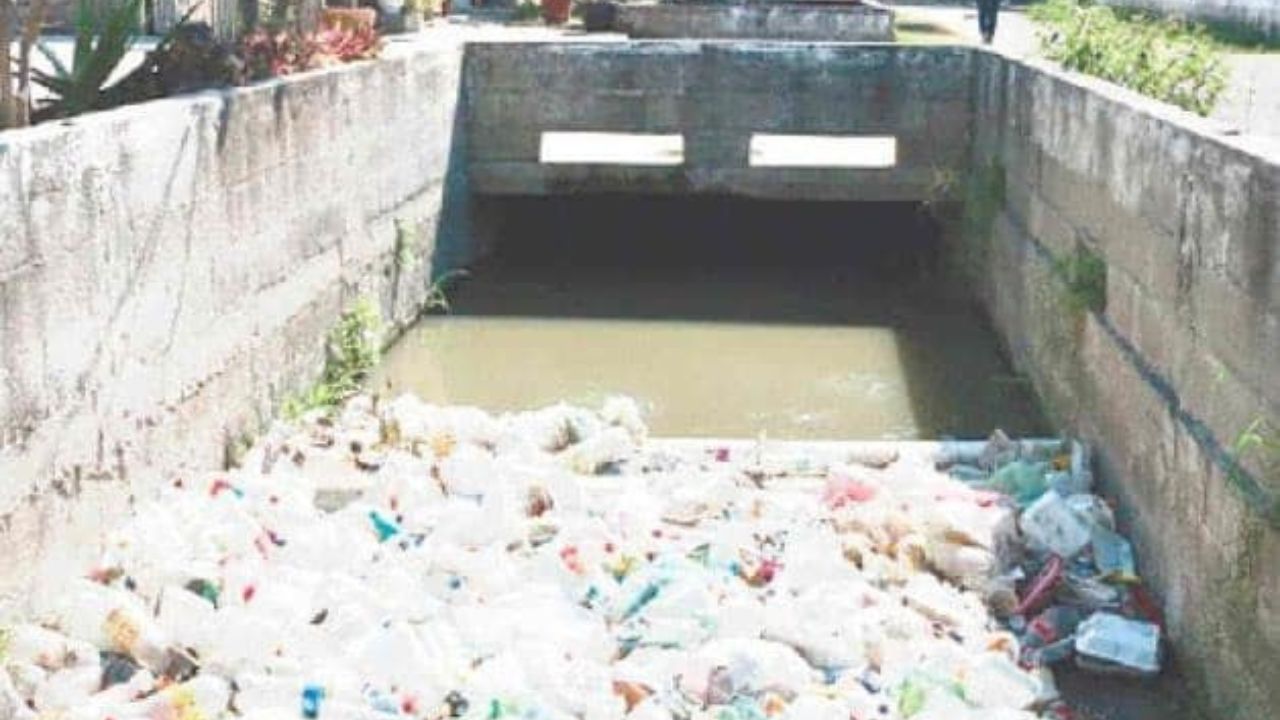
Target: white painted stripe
824, 151
610, 148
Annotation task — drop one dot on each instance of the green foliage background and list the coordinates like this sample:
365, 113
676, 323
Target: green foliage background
1166, 59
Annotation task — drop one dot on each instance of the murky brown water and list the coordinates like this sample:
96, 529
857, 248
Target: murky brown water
720, 324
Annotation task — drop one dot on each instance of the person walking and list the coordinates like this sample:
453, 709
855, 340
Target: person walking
987, 12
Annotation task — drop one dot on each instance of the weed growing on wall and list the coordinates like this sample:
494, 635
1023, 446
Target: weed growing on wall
1260, 440
408, 246
1166, 59
352, 351
437, 300
1084, 278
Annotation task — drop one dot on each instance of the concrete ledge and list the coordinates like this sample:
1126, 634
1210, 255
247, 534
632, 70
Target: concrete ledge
818, 21
718, 96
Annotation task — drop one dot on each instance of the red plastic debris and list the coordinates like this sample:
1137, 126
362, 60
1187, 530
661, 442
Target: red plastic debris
1040, 592
842, 490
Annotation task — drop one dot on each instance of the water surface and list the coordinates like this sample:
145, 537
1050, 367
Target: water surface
730, 319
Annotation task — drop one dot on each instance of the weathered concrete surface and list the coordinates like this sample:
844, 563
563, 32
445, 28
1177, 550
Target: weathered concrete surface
718, 95
168, 272
771, 21
1182, 359
1260, 16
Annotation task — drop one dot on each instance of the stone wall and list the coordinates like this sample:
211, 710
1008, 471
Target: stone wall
1181, 360
168, 272
717, 95
1251, 16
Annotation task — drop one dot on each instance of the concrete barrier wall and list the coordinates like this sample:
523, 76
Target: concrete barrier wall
1255, 16
1183, 358
813, 22
168, 272
717, 95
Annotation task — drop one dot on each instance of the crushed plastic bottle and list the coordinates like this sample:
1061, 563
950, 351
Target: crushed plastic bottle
1113, 556
1023, 481
558, 564
1111, 643
1051, 525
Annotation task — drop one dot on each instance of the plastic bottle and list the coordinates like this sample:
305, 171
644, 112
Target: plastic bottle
46, 648
1131, 646
12, 704
995, 682
1020, 480
1113, 555
114, 620
1050, 524
67, 688
185, 617
206, 696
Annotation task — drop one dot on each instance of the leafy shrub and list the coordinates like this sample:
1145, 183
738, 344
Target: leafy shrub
101, 42
1084, 275
1169, 60
352, 351
527, 11
347, 43
273, 53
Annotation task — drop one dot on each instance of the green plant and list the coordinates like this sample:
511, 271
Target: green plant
1166, 59
1260, 439
527, 11
436, 299
352, 351
406, 248
1084, 277
101, 43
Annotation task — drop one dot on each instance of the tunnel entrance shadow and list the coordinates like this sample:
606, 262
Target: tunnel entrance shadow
823, 267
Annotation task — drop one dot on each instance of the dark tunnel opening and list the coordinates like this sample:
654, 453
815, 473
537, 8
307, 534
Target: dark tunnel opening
725, 316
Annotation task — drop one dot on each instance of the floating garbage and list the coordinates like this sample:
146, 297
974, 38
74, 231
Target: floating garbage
403, 560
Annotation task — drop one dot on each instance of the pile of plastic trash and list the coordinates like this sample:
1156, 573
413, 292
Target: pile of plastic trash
404, 560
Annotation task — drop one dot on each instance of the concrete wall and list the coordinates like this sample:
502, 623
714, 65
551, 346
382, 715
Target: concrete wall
1182, 359
812, 22
1260, 16
717, 95
168, 272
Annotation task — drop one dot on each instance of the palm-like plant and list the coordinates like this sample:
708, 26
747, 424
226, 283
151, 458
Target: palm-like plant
101, 43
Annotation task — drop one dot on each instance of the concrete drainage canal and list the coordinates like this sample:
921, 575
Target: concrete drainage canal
706, 430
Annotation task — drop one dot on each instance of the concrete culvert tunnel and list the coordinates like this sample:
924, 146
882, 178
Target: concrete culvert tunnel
726, 317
